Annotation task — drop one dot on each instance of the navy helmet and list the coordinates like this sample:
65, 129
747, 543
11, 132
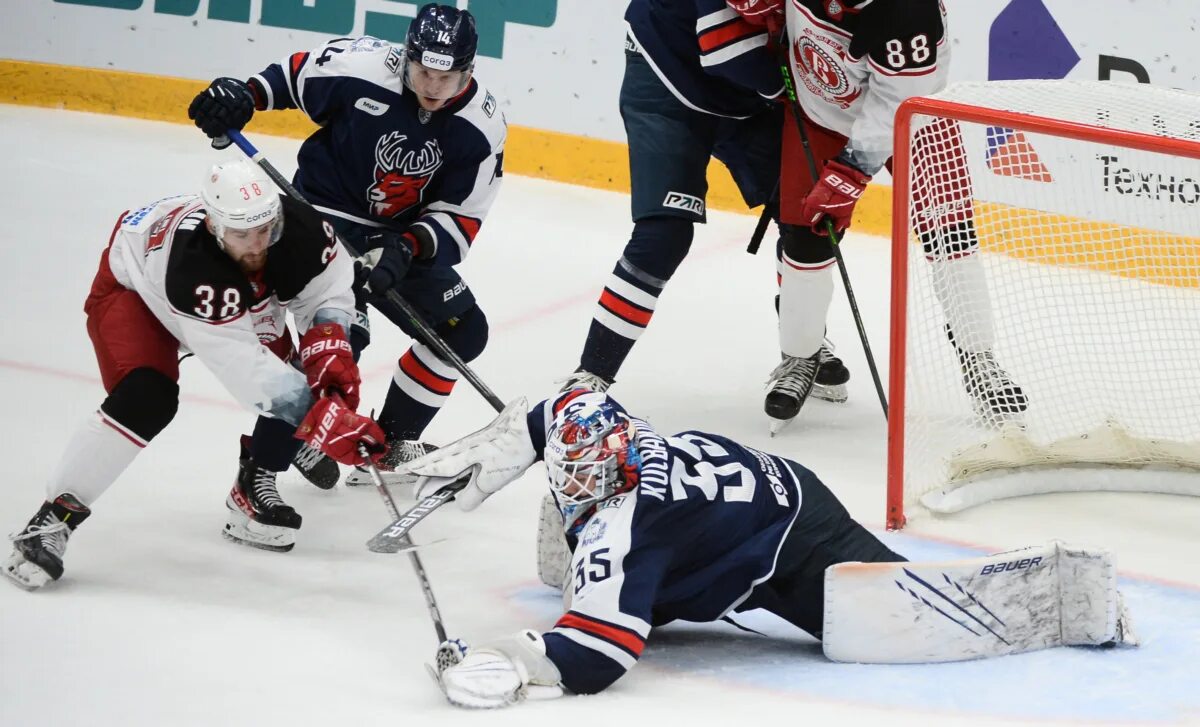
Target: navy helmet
443, 38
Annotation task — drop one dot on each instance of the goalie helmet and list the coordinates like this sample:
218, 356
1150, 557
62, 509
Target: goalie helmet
590, 455
240, 196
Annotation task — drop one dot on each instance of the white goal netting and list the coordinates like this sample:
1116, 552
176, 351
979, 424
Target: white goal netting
1052, 300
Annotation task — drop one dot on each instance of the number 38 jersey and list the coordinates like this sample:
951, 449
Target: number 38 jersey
230, 320
855, 61
702, 528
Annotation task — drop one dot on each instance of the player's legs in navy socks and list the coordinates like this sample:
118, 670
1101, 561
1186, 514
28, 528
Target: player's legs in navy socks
655, 250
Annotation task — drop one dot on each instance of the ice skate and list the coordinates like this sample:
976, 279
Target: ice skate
994, 395
399, 452
583, 379
258, 516
38, 549
832, 377
317, 468
790, 385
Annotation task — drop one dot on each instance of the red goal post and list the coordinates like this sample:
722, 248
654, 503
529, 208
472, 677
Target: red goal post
1075, 217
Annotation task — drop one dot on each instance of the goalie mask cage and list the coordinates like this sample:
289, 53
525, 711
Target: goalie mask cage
1045, 323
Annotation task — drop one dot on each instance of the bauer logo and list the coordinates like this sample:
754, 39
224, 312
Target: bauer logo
1023, 564
685, 202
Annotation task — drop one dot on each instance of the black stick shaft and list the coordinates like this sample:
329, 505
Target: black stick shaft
798, 115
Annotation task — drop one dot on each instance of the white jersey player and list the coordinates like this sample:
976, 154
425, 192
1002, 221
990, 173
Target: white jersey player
211, 275
854, 62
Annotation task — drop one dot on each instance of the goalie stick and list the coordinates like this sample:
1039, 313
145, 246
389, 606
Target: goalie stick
394, 538
422, 577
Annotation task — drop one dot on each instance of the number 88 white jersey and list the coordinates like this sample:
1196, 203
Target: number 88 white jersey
853, 66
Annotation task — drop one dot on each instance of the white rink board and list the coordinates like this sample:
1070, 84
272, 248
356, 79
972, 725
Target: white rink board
563, 77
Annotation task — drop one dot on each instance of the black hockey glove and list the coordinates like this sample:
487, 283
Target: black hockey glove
227, 103
388, 256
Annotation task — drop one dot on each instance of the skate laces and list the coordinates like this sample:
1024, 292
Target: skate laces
984, 373
264, 489
584, 380
409, 449
826, 351
52, 531
308, 457
794, 376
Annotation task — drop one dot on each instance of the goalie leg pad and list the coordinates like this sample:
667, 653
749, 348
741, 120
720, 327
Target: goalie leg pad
553, 553
1008, 603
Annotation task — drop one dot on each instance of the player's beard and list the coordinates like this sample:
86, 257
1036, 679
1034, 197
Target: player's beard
253, 262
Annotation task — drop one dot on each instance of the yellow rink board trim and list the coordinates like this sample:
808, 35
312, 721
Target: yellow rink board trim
1152, 256
595, 163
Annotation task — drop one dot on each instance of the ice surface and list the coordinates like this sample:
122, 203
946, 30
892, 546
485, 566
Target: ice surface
159, 621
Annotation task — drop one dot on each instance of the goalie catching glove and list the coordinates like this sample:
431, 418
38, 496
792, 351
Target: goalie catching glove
335, 429
498, 674
492, 457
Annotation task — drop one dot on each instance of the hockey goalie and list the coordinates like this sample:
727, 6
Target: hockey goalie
695, 527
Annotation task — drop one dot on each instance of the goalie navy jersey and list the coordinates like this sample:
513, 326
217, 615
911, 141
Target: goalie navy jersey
702, 528
710, 59
378, 159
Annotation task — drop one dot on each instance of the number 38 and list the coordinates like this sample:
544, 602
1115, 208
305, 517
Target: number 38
918, 51
231, 301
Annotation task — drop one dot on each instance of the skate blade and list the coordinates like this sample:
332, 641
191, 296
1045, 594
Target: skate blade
995, 419
412, 547
360, 478
778, 425
835, 393
25, 574
324, 483
242, 530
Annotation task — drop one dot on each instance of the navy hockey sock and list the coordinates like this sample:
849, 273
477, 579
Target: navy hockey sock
272, 446
403, 417
630, 296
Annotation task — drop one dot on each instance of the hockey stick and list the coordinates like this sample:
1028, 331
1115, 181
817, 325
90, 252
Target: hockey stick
798, 115
422, 577
760, 230
394, 538
430, 336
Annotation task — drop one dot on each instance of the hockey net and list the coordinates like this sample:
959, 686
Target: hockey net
1045, 293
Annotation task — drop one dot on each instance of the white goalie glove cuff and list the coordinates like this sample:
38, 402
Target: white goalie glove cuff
497, 674
494, 456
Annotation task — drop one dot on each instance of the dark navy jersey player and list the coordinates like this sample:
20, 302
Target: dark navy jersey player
701, 82
691, 527
406, 164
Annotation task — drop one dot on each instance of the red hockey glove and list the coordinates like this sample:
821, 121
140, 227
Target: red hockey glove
764, 13
834, 197
334, 429
329, 364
